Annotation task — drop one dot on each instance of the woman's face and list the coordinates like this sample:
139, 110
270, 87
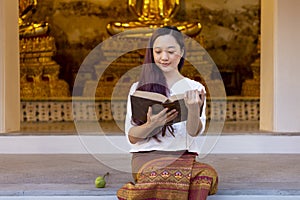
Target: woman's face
167, 53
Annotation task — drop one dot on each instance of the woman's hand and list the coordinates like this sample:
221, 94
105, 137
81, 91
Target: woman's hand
138, 133
161, 118
194, 99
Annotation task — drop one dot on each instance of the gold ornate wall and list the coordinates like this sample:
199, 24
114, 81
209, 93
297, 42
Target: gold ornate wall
230, 30
39, 76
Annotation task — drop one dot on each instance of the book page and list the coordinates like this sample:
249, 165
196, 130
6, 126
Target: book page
150, 95
176, 97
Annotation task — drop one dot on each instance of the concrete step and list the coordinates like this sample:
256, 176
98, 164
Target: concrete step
215, 197
71, 176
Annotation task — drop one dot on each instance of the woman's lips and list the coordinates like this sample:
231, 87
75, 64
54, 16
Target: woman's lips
165, 64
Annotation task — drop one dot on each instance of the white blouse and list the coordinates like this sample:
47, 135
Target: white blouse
182, 140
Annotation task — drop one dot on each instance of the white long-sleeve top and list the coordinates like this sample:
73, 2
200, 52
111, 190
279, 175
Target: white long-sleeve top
182, 140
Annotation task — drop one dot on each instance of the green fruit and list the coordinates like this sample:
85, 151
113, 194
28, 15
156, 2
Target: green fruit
100, 181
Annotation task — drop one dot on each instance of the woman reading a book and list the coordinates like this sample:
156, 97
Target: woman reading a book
164, 152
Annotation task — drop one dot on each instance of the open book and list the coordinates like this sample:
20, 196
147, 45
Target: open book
141, 100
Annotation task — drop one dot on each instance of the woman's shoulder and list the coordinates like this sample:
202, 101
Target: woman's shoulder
133, 87
186, 84
193, 83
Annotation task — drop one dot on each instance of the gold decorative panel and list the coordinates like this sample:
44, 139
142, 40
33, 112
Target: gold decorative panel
39, 72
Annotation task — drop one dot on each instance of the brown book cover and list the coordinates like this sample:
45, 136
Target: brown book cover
141, 100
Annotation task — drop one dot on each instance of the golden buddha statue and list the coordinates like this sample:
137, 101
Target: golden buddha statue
150, 14
26, 28
39, 72
153, 14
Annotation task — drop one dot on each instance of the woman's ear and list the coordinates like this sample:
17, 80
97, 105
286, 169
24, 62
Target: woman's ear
182, 52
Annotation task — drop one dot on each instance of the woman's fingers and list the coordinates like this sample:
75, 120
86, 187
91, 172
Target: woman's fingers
194, 98
149, 113
171, 115
162, 113
157, 119
162, 117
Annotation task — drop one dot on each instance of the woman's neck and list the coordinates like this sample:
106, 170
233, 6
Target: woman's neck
172, 78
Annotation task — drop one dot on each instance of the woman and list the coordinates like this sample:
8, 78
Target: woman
163, 156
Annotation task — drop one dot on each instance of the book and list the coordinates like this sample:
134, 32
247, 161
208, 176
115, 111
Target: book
141, 100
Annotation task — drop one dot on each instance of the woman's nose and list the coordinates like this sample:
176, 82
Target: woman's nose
164, 56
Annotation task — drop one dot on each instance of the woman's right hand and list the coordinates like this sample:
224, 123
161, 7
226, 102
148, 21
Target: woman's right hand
139, 133
161, 118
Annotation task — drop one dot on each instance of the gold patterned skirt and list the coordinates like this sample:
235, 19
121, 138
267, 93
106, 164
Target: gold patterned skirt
169, 175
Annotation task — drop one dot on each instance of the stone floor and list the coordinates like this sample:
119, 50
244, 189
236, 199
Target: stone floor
74, 174
69, 174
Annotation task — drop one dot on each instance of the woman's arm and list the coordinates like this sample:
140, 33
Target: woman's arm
138, 133
194, 100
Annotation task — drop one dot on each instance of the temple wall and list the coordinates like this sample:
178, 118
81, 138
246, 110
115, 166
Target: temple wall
230, 30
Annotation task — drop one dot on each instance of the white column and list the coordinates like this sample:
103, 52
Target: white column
9, 67
280, 66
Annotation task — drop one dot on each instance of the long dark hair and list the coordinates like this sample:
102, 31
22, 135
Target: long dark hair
152, 78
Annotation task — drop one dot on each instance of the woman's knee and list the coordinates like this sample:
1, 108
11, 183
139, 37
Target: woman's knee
205, 170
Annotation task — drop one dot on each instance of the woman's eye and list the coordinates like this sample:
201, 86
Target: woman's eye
171, 52
157, 52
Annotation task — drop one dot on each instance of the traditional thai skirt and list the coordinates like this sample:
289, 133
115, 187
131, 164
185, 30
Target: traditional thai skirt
169, 175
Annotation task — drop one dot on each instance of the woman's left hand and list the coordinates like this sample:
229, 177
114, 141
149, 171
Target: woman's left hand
194, 99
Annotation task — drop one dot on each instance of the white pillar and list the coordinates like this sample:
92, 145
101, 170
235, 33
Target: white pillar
280, 66
9, 67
